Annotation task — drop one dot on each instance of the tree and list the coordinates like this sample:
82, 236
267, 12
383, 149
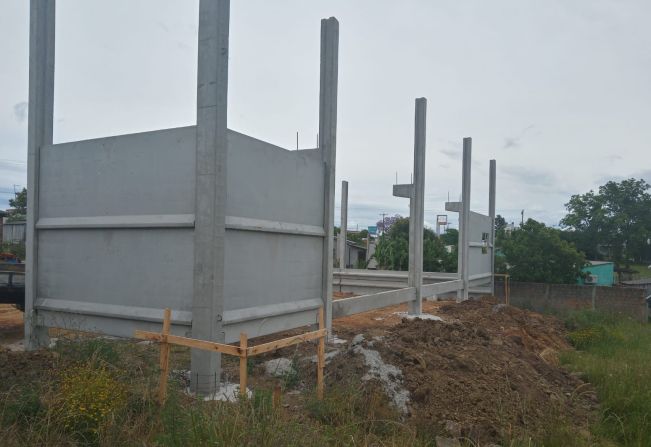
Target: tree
616, 219
19, 207
500, 223
451, 237
358, 236
385, 224
392, 251
537, 253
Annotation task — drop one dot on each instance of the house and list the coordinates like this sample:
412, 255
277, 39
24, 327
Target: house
355, 254
599, 273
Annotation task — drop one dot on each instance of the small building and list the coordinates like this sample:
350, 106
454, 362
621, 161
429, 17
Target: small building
355, 254
13, 232
599, 273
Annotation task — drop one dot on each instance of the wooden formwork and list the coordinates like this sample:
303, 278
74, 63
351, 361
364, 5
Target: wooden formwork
243, 351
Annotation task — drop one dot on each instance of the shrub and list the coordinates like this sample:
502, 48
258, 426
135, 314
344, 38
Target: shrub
90, 397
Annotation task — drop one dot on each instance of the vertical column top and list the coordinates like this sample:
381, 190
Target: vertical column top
492, 184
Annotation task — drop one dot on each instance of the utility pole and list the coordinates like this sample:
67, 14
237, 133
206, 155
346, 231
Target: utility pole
522, 218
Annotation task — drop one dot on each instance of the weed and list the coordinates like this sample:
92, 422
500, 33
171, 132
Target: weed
617, 364
89, 398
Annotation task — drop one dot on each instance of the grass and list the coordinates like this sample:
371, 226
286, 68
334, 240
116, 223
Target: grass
114, 402
615, 356
103, 393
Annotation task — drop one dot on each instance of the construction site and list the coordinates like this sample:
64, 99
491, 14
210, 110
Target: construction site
192, 286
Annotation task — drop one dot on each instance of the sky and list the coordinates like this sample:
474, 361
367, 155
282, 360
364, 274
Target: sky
557, 92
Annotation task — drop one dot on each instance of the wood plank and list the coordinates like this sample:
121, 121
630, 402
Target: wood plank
164, 356
272, 346
243, 365
190, 342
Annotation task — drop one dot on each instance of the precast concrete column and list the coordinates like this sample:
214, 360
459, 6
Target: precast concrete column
210, 190
464, 221
39, 133
417, 208
343, 229
328, 148
492, 185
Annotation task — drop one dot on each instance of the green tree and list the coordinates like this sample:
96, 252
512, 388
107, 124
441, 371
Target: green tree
537, 253
392, 251
617, 218
19, 207
451, 237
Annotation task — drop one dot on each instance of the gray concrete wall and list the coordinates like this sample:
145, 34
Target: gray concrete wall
227, 230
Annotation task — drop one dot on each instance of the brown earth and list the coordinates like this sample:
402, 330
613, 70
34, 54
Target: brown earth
487, 372
11, 324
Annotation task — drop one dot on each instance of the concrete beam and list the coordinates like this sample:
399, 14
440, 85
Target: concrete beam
210, 190
328, 148
406, 190
492, 190
39, 133
417, 208
464, 220
343, 229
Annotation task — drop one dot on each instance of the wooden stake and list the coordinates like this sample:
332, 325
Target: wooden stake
164, 356
320, 359
276, 396
243, 364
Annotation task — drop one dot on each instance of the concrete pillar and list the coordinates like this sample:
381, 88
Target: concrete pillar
464, 220
210, 190
492, 185
39, 133
343, 233
417, 208
328, 148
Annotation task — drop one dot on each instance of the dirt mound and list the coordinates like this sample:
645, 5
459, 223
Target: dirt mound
487, 372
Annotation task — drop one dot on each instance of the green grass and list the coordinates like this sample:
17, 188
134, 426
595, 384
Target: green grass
615, 356
115, 404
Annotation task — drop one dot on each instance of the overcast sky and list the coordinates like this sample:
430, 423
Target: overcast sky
558, 91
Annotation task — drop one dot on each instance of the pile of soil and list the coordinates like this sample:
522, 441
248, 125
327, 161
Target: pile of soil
486, 372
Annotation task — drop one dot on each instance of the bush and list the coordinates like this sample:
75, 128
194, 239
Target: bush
89, 399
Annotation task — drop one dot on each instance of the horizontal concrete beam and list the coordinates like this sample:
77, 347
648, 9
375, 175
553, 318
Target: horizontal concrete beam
358, 304
175, 221
429, 290
405, 190
135, 221
453, 206
270, 226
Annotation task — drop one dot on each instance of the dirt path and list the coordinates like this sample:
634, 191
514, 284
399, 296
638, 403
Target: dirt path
11, 325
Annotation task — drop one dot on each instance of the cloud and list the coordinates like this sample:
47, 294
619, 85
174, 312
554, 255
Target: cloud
20, 111
454, 154
530, 176
513, 142
13, 166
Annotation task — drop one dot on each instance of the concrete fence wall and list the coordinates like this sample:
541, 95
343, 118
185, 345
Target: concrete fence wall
540, 297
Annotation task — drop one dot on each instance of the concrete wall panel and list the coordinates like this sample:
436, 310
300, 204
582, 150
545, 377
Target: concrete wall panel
136, 174
270, 269
149, 268
480, 258
272, 183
